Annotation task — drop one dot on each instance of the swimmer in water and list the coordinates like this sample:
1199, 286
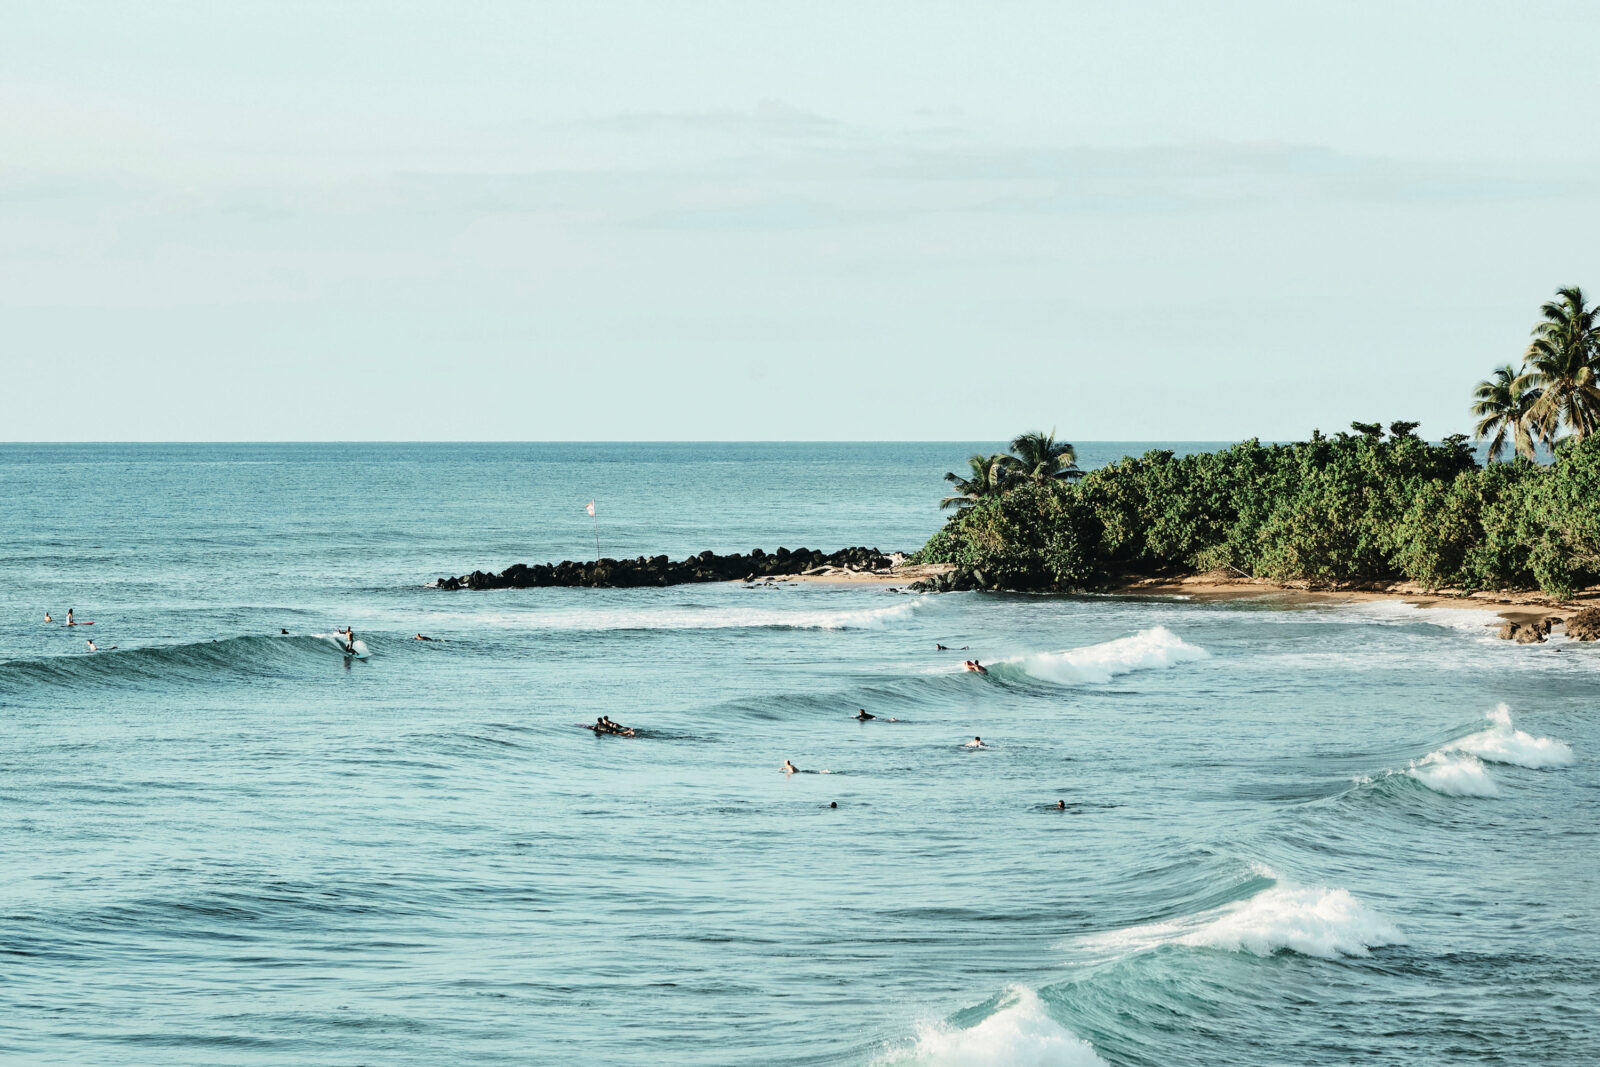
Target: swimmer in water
419, 637
976, 742
833, 803
862, 716
282, 631
789, 768
47, 617
1061, 805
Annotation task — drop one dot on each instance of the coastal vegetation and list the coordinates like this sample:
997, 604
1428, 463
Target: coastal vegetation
1359, 507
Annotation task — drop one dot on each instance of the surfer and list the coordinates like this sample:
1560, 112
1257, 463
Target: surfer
69, 618
1061, 805
976, 742
350, 637
282, 631
940, 648
419, 637
976, 667
47, 617
789, 768
863, 716
92, 648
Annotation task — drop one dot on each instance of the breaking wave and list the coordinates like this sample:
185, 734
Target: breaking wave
1097, 664
1020, 1034
1503, 743
1455, 774
1283, 917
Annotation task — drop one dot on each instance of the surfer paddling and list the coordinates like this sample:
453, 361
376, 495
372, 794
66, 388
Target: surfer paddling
975, 667
976, 742
789, 768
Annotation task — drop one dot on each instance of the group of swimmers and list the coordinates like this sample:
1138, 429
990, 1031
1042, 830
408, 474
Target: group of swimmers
74, 622
970, 664
603, 725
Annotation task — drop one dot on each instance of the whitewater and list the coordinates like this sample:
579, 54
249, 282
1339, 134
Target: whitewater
1198, 832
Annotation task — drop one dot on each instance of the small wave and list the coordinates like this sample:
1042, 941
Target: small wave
338, 642
1309, 920
702, 618
1455, 774
1503, 743
199, 661
1020, 1033
1155, 647
1471, 620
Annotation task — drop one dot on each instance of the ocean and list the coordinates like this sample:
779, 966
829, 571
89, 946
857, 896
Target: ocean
1290, 835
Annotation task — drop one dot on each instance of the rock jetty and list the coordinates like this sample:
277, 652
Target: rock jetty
659, 570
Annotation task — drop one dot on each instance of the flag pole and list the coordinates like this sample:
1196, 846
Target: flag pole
596, 519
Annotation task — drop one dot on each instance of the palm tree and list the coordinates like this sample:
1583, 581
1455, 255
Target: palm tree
1503, 406
1039, 458
987, 480
1564, 363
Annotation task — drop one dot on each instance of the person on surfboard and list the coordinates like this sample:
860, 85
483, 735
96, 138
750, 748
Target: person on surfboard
69, 618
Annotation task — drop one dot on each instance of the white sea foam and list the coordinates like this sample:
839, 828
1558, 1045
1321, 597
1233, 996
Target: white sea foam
339, 641
1503, 743
1155, 647
1020, 1034
1312, 921
693, 617
1455, 774
1478, 621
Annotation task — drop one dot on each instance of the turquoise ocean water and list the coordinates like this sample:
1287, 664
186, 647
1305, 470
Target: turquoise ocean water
1317, 835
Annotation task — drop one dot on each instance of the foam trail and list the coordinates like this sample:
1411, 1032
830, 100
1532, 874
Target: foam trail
1455, 774
1020, 1034
1312, 921
1155, 647
1503, 743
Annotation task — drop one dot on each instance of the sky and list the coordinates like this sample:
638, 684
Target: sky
742, 221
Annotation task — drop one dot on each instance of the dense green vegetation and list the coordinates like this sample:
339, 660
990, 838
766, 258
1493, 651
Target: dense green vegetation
1353, 508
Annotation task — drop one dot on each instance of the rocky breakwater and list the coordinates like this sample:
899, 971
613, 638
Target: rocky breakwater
659, 570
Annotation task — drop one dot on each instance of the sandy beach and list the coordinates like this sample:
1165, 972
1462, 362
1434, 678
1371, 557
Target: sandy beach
1513, 606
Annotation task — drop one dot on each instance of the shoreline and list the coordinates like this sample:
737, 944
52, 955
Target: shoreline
1522, 606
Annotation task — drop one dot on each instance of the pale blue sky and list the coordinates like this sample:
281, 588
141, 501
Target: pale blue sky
488, 221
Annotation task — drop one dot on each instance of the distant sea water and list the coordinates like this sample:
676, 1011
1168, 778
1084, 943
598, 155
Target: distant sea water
1291, 835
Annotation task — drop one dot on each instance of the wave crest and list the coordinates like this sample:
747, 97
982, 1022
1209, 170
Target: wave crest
1020, 1034
1098, 664
1455, 774
1309, 920
1504, 743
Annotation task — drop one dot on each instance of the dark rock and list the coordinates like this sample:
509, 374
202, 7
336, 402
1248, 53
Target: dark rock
1584, 625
